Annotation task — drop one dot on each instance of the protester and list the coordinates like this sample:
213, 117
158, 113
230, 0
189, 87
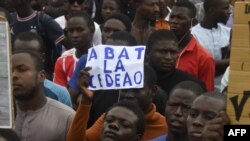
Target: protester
192, 57
38, 118
113, 23
29, 41
162, 50
214, 36
24, 18
75, 6
155, 122
207, 118
146, 11
177, 108
79, 29
107, 8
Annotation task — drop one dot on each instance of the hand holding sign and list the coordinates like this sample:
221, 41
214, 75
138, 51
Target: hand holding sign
83, 82
116, 67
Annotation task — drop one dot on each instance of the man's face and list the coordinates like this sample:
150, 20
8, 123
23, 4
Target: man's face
108, 8
78, 6
149, 9
222, 12
177, 109
140, 96
203, 110
25, 77
79, 33
111, 26
120, 124
180, 21
162, 57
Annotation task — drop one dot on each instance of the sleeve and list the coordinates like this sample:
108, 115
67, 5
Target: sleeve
65, 97
94, 132
77, 131
79, 66
53, 30
59, 75
207, 73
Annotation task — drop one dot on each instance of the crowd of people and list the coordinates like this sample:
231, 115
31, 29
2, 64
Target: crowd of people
185, 84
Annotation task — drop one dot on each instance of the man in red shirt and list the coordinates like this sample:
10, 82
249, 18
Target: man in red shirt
192, 58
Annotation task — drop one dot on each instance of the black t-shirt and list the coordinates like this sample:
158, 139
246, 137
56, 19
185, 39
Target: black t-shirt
168, 82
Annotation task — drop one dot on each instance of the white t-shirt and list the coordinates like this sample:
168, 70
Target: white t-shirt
213, 40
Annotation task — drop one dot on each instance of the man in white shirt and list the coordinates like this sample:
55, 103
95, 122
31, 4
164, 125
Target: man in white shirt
214, 36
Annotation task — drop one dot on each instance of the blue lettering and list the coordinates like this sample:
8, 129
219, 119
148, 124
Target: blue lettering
119, 66
138, 79
117, 80
105, 67
139, 50
127, 80
91, 81
109, 53
99, 79
124, 53
109, 80
92, 54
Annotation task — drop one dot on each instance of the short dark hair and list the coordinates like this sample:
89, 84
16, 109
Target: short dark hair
9, 135
123, 18
29, 36
208, 4
35, 57
187, 4
118, 2
136, 110
216, 95
124, 36
192, 86
160, 35
86, 17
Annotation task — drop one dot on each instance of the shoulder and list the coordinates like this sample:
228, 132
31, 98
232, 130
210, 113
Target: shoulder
196, 28
55, 88
60, 108
224, 29
69, 52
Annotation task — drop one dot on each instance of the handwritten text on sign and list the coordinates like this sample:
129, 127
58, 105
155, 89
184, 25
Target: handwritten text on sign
116, 67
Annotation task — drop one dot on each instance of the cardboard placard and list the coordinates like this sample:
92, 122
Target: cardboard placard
238, 98
6, 97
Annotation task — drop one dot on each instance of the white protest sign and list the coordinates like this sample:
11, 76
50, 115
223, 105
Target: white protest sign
116, 67
6, 99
